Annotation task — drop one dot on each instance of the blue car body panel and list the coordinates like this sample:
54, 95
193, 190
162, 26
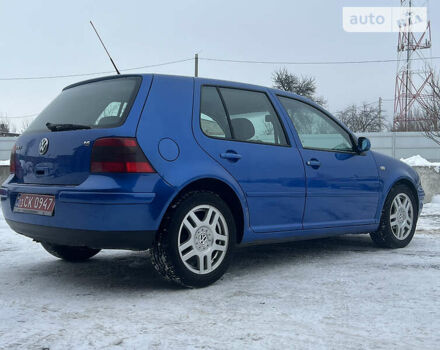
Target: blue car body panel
268, 175
192, 163
280, 197
392, 171
344, 190
68, 159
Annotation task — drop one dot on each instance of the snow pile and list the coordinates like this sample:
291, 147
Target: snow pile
420, 161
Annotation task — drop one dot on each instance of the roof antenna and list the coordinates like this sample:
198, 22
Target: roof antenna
113, 63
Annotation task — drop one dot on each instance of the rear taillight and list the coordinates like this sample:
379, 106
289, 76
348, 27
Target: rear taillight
12, 160
119, 155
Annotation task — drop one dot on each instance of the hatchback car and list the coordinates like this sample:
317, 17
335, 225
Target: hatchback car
190, 167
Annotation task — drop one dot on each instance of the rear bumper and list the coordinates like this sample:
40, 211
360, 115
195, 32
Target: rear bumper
93, 214
135, 240
105, 197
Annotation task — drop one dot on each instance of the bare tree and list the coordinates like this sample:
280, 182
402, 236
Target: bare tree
304, 86
365, 118
417, 121
430, 121
5, 126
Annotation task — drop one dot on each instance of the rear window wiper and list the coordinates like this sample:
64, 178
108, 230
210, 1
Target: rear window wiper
65, 127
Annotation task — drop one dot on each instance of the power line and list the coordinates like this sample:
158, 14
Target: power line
306, 62
213, 60
94, 73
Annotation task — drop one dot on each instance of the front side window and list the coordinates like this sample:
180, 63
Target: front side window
98, 104
315, 129
253, 117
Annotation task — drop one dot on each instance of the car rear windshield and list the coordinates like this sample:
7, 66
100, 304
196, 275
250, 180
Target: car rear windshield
98, 104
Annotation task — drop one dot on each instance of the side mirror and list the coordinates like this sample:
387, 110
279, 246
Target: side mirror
363, 145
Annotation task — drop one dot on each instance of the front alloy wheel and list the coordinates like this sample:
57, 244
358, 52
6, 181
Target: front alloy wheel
401, 216
398, 220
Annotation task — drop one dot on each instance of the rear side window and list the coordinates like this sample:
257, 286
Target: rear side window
252, 117
99, 104
240, 115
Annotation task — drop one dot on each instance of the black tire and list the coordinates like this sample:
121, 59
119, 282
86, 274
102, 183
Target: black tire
165, 253
68, 253
384, 237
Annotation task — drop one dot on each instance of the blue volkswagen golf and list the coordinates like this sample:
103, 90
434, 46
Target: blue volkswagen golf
189, 168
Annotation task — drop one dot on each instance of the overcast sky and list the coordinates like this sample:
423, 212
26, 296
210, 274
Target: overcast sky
41, 38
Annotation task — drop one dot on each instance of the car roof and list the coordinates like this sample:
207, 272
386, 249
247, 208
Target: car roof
210, 81
231, 83
247, 86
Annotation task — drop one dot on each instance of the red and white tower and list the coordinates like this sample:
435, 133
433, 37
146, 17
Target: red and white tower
414, 72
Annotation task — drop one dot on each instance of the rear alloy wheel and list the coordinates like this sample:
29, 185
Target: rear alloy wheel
203, 239
68, 253
398, 221
194, 245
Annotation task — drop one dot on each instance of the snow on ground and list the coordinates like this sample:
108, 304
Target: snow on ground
337, 293
420, 161
430, 217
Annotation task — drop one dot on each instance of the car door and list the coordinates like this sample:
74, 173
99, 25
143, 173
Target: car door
241, 130
342, 186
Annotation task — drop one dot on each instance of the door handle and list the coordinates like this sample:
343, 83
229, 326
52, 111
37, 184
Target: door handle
314, 163
230, 155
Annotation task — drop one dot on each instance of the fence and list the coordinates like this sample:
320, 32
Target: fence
395, 144
6, 143
404, 144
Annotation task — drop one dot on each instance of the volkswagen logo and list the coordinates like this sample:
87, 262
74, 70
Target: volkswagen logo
44, 145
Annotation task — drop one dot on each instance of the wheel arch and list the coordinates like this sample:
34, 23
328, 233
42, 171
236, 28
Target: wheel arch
402, 181
225, 191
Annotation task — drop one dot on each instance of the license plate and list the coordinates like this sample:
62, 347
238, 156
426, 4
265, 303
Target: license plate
39, 204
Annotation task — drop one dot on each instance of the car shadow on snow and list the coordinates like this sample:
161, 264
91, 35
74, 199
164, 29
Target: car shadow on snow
332, 249
132, 271
110, 270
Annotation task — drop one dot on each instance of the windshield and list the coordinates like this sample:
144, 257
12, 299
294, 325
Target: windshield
99, 104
